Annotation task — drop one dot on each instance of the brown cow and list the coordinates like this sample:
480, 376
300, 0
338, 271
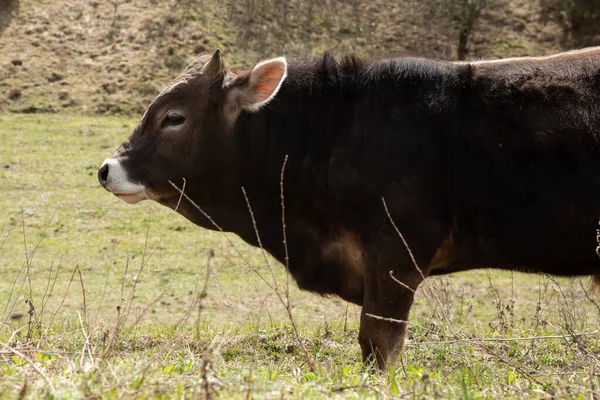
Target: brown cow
481, 164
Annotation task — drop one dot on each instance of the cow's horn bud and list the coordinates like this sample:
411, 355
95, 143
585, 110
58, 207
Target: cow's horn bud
214, 65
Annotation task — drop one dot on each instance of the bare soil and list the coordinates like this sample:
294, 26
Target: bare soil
113, 57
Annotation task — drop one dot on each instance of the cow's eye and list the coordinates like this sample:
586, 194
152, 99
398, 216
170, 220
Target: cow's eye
173, 118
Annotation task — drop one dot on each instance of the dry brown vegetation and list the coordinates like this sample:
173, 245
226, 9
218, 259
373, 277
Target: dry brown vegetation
112, 57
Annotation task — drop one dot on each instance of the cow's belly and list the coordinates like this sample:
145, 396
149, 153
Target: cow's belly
566, 250
539, 216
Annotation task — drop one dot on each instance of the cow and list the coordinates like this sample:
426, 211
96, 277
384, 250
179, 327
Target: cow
386, 171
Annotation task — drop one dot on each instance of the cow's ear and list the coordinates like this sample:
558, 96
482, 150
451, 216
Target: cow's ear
263, 83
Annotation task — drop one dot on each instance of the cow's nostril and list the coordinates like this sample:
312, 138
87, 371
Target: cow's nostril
103, 174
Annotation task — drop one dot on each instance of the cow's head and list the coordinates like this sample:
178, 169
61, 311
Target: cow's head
186, 130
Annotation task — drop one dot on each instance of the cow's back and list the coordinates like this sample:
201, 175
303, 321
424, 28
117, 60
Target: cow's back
525, 164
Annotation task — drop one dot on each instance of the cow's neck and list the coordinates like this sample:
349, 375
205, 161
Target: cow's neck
317, 117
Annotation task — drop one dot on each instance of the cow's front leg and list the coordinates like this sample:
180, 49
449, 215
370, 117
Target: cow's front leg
384, 318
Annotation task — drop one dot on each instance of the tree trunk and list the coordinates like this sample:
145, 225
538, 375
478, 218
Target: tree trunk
463, 40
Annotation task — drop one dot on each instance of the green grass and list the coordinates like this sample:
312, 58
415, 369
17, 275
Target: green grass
235, 340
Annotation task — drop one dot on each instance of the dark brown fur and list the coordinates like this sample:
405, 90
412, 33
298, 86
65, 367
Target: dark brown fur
482, 165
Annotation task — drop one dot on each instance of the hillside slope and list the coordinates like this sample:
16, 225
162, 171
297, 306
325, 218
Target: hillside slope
112, 57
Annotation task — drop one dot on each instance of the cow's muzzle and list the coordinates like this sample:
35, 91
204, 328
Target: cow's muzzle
114, 178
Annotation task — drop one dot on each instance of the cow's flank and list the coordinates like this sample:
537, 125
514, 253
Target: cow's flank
492, 164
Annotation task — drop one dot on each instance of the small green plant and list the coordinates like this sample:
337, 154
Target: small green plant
159, 312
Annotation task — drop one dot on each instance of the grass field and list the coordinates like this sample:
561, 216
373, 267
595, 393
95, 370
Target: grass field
100, 299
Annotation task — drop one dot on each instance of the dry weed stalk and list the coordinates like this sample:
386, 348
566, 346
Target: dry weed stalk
51, 282
16, 352
28, 262
202, 294
33, 317
84, 323
43, 337
285, 302
85, 316
165, 350
510, 339
30, 362
514, 365
21, 216
590, 296
570, 318
500, 308
404, 285
198, 298
434, 295
283, 227
6, 313
87, 344
111, 341
410, 253
274, 285
218, 227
